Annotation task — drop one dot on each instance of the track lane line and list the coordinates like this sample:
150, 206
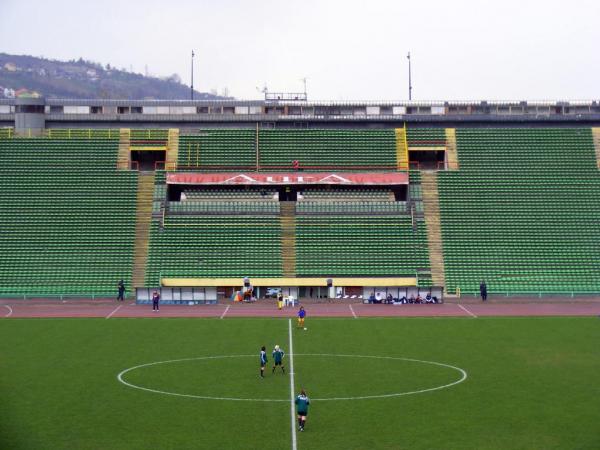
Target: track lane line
467, 311
225, 312
10, 311
114, 311
352, 311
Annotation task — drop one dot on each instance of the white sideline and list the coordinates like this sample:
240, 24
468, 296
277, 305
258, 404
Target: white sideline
114, 311
292, 405
225, 312
9, 311
467, 311
352, 311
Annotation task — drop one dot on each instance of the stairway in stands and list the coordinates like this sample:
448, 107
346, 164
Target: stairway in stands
123, 158
401, 149
596, 139
451, 154
288, 238
145, 194
172, 149
434, 232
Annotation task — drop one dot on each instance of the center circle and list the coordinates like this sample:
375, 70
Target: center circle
121, 377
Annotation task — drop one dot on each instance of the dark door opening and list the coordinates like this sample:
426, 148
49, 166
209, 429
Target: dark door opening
427, 160
147, 160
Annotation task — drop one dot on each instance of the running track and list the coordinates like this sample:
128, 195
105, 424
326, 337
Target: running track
112, 309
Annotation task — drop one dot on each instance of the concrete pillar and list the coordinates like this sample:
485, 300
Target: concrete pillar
30, 116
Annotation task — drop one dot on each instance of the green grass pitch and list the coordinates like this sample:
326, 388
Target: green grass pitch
533, 383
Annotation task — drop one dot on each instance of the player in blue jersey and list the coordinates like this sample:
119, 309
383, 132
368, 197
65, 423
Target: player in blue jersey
278, 355
302, 402
301, 316
263, 361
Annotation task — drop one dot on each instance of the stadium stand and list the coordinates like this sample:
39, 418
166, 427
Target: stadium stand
333, 149
350, 245
237, 149
218, 149
523, 212
68, 217
214, 246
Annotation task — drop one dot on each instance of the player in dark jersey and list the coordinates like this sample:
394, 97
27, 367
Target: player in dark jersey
263, 361
278, 355
302, 402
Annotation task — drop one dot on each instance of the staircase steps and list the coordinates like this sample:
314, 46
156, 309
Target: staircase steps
288, 238
145, 194
124, 155
401, 149
596, 139
451, 153
172, 149
434, 231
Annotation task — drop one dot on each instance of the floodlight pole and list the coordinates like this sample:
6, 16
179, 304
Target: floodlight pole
409, 78
192, 84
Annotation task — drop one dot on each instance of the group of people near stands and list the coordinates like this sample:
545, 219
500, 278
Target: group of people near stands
376, 298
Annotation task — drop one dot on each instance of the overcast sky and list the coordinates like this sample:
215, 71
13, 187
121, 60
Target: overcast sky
348, 49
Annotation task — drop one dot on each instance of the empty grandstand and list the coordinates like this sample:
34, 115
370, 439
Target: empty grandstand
317, 209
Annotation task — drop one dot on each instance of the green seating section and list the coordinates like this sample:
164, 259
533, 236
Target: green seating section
215, 246
229, 194
224, 207
218, 149
348, 194
353, 207
425, 137
235, 149
360, 246
523, 212
335, 149
68, 217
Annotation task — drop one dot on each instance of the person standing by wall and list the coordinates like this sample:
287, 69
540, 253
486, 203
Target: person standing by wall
121, 288
155, 301
483, 290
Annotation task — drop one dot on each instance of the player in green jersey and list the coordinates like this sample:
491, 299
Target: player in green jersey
302, 402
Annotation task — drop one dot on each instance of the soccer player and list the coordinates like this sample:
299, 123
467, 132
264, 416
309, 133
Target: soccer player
278, 355
263, 361
302, 402
301, 316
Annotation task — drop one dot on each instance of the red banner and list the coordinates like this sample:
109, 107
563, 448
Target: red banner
291, 178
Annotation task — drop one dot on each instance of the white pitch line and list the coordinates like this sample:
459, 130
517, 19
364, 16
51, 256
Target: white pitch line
10, 311
225, 312
114, 311
467, 311
353, 313
292, 406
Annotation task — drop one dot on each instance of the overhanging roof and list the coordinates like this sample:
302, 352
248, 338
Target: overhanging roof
289, 178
